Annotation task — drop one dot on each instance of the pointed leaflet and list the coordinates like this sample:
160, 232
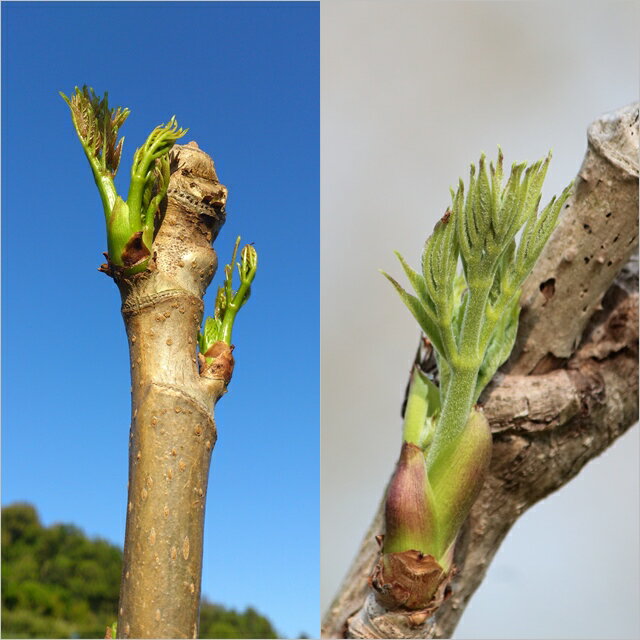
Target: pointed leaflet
467, 223
157, 190
505, 264
496, 187
483, 213
419, 312
535, 236
483, 322
146, 167
419, 286
500, 345
228, 302
423, 404
97, 128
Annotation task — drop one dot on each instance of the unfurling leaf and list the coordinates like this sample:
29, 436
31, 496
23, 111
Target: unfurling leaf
228, 302
97, 127
471, 318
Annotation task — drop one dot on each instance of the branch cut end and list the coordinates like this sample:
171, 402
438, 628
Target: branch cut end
410, 581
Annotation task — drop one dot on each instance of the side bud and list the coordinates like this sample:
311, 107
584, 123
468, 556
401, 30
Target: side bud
410, 519
407, 576
456, 477
248, 264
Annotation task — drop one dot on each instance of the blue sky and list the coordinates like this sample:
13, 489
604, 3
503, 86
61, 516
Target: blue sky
244, 77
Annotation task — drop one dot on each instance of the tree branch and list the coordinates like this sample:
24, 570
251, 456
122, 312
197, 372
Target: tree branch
547, 421
595, 238
172, 428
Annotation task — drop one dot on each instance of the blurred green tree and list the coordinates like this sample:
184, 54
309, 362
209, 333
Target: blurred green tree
57, 583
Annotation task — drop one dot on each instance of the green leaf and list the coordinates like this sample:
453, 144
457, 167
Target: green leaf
433, 410
210, 335
418, 284
159, 142
505, 266
474, 316
247, 268
460, 220
439, 267
496, 186
220, 306
482, 212
537, 173
510, 212
535, 236
228, 302
500, 345
460, 302
97, 127
158, 187
419, 312
146, 168
423, 405
468, 227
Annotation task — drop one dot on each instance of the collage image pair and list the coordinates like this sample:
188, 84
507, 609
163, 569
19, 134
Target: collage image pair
320, 319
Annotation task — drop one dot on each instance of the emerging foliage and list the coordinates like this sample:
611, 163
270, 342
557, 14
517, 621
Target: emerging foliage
150, 175
466, 300
228, 302
97, 127
130, 223
479, 232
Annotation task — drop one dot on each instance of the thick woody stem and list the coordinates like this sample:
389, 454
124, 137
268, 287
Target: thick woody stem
172, 427
546, 427
595, 238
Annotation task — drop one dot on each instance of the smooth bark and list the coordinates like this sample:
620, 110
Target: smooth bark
570, 391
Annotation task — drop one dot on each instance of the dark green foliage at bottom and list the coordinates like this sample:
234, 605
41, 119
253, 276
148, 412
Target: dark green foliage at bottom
218, 622
57, 583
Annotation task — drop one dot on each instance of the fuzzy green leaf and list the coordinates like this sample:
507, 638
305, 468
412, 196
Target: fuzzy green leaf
423, 405
500, 345
472, 321
419, 312
229, 302
149, 174
97, 127
482, 213
210, 335
419, 286
535, 236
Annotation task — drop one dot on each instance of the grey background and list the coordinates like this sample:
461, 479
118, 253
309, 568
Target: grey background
412, 92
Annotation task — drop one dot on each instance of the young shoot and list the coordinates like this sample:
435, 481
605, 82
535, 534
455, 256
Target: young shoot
130, 223
466, 301
228, 302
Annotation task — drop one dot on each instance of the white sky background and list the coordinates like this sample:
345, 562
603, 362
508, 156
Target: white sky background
412, 92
